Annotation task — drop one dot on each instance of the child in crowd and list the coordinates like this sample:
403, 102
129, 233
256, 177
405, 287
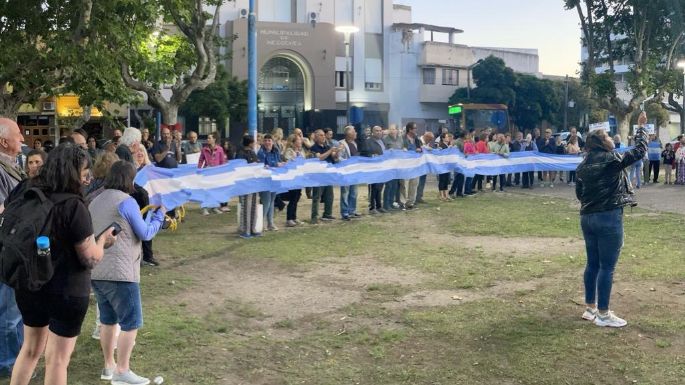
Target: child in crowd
668, 156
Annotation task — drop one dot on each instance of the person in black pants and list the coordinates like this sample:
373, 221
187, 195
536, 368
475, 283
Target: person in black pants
374, 146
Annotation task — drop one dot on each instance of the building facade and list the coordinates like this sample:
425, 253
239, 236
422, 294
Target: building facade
400, 71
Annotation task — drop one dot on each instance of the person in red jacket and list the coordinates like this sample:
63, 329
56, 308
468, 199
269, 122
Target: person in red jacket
212, 155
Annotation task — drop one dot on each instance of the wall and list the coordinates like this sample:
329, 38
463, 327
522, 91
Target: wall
524, 61
310, 45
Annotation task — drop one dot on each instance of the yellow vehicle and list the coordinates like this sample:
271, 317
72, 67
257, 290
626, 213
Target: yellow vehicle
474, 116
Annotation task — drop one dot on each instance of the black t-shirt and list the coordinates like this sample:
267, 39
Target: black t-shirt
169, 160
317, 149
72, 224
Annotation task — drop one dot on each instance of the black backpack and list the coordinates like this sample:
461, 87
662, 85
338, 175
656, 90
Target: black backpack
23, 221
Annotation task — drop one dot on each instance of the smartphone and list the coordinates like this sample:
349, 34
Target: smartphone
117, 229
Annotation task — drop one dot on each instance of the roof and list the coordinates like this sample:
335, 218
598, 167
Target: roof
427, 27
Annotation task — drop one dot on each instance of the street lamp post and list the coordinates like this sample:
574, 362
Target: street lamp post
468, 78
566, 106
347, 30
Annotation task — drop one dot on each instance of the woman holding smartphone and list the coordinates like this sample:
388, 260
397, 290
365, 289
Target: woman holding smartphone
603, 189
116, 279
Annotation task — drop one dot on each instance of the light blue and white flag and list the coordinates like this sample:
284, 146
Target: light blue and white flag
211, 186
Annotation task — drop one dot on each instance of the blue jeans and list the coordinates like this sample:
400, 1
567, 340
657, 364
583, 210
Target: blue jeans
419, 189
348, 200
11, 329
635, 172
389, 193
268, 198
603, 232
119, 303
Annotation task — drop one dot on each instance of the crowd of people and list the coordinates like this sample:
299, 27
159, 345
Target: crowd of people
97, 235
103, 238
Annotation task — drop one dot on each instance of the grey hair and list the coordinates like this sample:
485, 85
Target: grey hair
4, 127
349, 129
130, 136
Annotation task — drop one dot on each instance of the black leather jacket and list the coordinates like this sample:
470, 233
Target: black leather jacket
602, 180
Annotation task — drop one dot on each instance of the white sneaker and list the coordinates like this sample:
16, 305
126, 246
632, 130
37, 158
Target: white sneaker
217, 211
610, 320
225, 209
205, 212
107, 374
128, 378
589, 314
551, 185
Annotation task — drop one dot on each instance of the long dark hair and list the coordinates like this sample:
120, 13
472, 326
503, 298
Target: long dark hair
597, 141
61, 173
121, 177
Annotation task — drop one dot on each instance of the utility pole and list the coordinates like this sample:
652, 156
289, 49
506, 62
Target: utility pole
566, 106
252, 71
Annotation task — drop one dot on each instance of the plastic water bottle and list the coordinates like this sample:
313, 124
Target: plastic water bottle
43, 246
158, 380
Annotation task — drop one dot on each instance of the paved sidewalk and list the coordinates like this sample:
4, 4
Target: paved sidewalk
656, 197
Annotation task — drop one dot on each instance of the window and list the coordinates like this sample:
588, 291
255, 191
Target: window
340, 79
341, 121
206, 126
450, 77
374, 86
429, 76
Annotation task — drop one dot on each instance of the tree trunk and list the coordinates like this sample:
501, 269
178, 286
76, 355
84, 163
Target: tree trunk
9, 106
624, 127
8, 113
169, 114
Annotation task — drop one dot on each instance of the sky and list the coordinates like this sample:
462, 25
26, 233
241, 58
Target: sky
541, 24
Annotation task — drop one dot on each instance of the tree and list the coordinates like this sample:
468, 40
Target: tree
530, 100
536, 100
495, 84
33, 36
225, 98
161, 44
643, 32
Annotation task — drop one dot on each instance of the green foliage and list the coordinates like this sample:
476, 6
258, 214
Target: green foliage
495, 82
530, 100
225, 98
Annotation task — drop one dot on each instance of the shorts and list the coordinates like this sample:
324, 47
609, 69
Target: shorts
62, 314
119, 303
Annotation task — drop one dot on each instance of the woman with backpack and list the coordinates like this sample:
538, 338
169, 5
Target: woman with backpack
53, 314
116, 280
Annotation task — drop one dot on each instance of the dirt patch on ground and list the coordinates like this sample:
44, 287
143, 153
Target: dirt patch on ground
511, 246
433, 298
278, 293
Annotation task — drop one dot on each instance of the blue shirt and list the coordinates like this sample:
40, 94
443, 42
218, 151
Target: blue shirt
654, 150
144, 229
270, 158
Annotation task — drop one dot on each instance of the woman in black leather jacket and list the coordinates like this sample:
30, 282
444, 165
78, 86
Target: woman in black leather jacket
603, 189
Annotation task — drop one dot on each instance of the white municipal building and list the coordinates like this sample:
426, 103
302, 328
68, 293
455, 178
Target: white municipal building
401, 70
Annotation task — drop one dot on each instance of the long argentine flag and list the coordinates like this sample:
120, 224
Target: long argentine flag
211, 186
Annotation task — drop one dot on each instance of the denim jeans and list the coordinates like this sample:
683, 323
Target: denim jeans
419, 189
11, 329
389, 193
348, 200
635, 172
268, 198
603, 232
119, 303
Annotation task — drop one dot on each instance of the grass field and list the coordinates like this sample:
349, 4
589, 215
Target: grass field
485, 290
